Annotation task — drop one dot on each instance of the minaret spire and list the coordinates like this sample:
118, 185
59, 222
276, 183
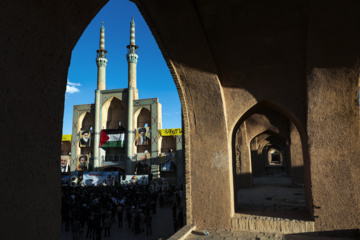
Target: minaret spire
102, 37
101, 62
132, 59
132, 32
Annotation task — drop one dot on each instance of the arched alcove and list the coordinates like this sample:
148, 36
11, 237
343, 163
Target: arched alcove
266, 146
87, 122
116, 113
168, 143
143, 117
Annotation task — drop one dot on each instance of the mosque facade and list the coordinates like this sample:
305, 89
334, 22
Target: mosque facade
120, 132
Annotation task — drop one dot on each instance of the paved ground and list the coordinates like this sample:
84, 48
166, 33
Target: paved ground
241, 235
273, 196
162, 228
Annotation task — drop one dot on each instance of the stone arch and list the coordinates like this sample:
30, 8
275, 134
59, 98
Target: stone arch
272, 117
261, 146
114, 111
326, 80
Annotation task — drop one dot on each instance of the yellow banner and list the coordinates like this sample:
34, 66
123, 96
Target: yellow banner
66, 137
170, 132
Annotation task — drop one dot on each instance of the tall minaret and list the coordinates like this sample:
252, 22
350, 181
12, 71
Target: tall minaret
101, 62
132, 59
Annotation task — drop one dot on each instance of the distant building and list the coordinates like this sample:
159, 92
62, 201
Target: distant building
120, 132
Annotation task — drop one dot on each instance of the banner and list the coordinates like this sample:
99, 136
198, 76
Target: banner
85, 138
64, 163
170, 132
66, 138
100, 178
135, 180
142, 136
167, 161
65, 180
83, 163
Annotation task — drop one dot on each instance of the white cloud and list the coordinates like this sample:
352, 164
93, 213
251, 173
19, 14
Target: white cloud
73, 84
72, 87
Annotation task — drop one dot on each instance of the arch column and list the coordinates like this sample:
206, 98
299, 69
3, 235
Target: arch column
333, 113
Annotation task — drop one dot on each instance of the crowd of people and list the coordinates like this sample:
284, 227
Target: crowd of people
91, 212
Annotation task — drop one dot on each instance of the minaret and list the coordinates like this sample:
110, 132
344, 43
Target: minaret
132, 59
101, 62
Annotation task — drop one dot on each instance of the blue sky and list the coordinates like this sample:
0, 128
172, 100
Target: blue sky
153, 76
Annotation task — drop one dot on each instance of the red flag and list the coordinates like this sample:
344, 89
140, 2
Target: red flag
103, 137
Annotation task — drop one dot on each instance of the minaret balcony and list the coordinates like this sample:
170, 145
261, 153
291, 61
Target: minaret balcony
132, 57
101, 62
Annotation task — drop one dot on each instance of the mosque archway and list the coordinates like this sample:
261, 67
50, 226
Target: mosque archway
116, 113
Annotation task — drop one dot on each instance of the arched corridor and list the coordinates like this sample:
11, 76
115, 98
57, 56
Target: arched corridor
265, 182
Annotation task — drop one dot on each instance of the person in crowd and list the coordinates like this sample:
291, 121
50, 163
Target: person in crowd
174, 210
148, 224
137, 223
90, 226
142, 220
91, 204
75, 228
119, 210
162, 200
107, 226
128, 217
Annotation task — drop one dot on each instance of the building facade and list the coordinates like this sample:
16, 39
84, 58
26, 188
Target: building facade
120, 132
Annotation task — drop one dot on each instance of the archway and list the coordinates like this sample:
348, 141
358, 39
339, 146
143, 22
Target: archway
268, 155
116, 106
116, 113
